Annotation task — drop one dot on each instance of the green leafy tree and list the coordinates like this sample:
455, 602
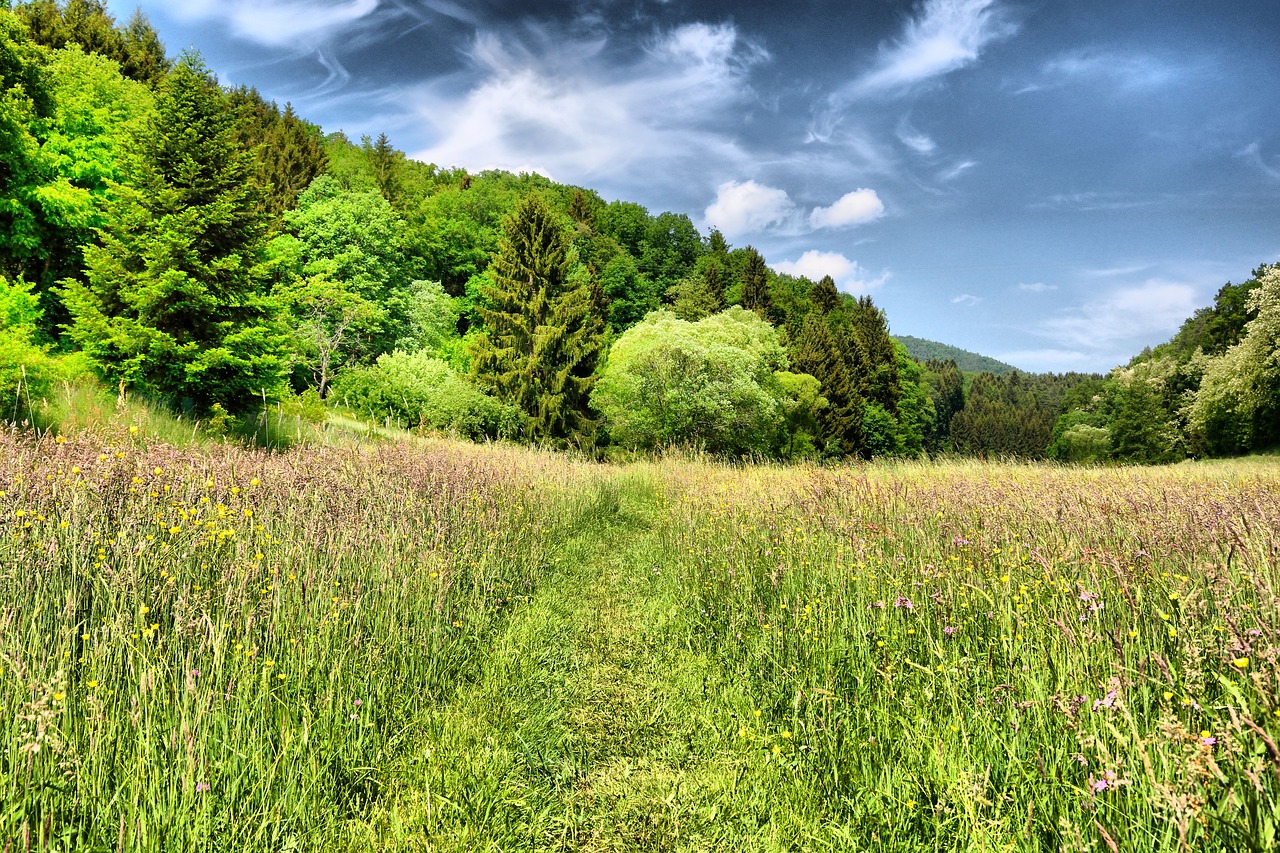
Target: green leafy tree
26, 370
711, 384
946, 391
1237, 406
26, 105
173, 303
355, 240
629, 293
542, 337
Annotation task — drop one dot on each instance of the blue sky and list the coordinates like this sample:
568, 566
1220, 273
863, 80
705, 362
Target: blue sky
1054, 184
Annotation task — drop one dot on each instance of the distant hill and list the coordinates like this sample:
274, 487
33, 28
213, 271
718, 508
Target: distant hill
969, 362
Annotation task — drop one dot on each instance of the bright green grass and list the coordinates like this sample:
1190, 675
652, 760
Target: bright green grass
445, 647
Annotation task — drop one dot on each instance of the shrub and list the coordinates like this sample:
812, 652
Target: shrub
417, 389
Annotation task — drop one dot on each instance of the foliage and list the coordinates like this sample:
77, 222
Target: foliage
968, 362
352, 240
419, 390
542, 330
1237, 406
27, 373
431, 319
288, 153
135, 47
173, 301
709, 384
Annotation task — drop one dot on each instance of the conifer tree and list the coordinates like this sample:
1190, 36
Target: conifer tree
815, 352
542, 338
755, 284
173, 302
824, 295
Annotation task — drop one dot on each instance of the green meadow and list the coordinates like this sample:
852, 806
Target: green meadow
425, 645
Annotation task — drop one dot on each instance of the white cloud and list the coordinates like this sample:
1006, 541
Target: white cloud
956, 171
1125, 72
854, 208
560, 107
1037, 287
1253, 154
1048, 360
278, 23
1127, 318
748, 208
944, 36
914, 139
848, 274
966, 299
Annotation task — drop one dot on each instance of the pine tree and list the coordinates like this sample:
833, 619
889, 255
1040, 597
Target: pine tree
172, 304
815, 352
542, 338
824, 295
755, 285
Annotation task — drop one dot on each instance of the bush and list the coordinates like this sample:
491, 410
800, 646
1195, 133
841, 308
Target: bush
420, 390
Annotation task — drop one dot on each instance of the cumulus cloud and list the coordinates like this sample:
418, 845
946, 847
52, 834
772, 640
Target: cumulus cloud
849, 275
748, 208
945, 35
279, 23
966, 299
558, 105
854, 208
1125, 319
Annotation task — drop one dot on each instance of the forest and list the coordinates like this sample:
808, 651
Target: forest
208, 251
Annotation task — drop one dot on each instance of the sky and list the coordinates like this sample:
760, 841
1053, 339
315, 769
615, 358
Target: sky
1054, 184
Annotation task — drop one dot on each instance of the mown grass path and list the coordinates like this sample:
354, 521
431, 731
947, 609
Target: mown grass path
585, 730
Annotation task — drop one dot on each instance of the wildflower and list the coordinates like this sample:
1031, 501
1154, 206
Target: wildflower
1207, 739
950, 630
904, 602
202, 787
1240, 663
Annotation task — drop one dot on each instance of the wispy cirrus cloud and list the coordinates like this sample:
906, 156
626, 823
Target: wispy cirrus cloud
1252, 153
279, 23
943, 36
556, 104
1124, 319
1123, 71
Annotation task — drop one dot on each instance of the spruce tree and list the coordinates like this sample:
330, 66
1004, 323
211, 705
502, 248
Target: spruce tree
824, 295
755, 285
542, 337
815, 352
173, 299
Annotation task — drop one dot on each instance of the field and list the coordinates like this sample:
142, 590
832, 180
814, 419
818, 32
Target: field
436, 646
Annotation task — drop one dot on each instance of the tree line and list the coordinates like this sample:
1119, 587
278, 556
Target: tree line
210, 250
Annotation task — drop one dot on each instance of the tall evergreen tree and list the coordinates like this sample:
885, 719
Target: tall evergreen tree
755, 284
815, 352
542, 338
824, 295
288, 152
173, 300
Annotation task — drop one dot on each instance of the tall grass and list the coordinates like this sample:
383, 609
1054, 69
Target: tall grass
225, 649
997, 657
438, 646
